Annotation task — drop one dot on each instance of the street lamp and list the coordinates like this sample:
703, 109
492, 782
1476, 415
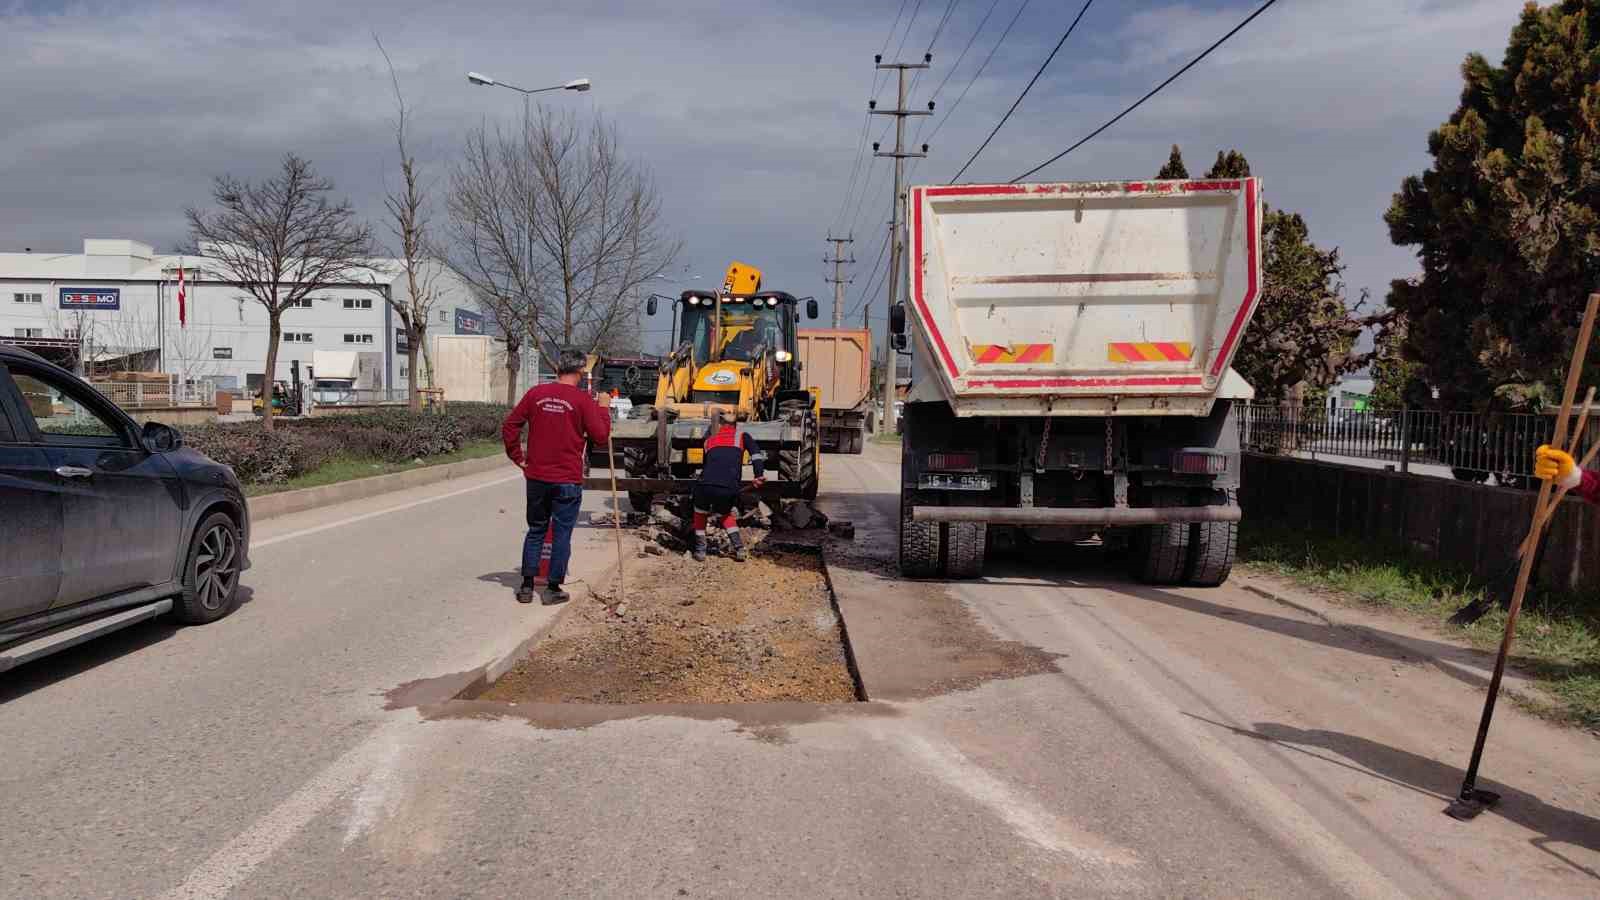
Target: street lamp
577, 84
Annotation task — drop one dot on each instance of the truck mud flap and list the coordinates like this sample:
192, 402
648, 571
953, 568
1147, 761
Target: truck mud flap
1108, 515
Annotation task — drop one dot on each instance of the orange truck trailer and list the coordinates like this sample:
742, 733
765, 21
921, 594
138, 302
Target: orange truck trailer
838, 362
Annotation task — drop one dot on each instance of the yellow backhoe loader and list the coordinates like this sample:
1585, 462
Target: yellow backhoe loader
737, 347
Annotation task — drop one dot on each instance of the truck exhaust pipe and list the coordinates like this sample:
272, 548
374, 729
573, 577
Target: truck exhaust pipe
1107, 515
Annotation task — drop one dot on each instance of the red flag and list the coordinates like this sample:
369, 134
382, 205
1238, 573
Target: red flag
183, 317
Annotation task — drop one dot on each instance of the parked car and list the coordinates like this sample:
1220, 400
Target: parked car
104, 523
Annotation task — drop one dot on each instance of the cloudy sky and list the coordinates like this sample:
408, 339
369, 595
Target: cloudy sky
750, 113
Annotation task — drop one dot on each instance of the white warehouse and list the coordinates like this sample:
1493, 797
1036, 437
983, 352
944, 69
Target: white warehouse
115, 307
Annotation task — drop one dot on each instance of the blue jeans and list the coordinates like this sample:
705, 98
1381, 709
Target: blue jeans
546, 502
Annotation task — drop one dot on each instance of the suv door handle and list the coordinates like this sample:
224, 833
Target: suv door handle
74, 472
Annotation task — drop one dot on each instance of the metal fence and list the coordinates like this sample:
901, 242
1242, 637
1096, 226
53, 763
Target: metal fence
329, 396
164, 390
1473, 446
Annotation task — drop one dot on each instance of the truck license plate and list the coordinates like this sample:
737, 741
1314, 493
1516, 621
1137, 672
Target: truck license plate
948, 482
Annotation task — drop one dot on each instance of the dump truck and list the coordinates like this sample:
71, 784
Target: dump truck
736, 348
1071, 347
838, 363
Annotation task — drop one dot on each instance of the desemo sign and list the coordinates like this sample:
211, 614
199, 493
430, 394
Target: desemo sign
91, 298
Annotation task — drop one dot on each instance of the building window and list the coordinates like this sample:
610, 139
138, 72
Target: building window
444, 317
70, 334
302, 303
405, 371
358, 338
297, 337
28, 332
27, 298
358, 303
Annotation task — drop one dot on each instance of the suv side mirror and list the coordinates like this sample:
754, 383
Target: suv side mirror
897, 321
650, 306
161, 438
811, 308
897, 341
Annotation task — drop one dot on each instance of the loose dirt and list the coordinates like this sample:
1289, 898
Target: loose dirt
688, 632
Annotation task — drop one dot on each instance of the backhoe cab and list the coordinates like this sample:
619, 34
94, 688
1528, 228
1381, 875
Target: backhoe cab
736, 348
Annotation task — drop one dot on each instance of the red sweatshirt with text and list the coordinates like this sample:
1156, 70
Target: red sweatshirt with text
561, 419
1589, 488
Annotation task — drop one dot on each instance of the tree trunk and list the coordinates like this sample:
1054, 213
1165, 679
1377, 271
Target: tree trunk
513, 362
269, 378
427, 358
413, 398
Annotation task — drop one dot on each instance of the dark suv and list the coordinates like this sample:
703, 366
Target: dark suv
103, 523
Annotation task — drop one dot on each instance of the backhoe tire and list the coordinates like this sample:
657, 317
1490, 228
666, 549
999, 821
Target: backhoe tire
1212, 547
799, 464
639, 462
965, 545
1161, 552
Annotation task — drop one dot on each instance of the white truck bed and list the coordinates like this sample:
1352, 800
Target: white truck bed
1083, 299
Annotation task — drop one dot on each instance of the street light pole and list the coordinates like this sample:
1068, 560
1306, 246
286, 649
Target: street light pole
577, 84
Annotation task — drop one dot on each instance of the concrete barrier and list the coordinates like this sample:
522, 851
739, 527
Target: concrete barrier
1473, 526
267, 506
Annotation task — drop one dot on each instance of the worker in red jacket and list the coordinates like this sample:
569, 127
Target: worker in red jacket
562, 419
1558, 467
721, 474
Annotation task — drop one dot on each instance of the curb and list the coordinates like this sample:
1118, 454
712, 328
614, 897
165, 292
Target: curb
269, 506
1513, 683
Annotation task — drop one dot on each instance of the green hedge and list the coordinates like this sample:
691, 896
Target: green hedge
302, 445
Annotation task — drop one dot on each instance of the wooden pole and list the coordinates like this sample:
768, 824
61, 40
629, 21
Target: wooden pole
616, 520
1471, 801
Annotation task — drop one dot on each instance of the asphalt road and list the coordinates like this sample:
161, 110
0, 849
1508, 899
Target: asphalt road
1175, 743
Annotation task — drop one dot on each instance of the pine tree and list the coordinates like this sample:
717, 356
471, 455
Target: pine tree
1174, 170
1506, 221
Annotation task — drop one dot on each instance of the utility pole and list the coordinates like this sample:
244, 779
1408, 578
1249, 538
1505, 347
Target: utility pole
896, 254
838, 280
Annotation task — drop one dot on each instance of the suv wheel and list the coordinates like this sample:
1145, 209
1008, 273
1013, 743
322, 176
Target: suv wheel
210, 573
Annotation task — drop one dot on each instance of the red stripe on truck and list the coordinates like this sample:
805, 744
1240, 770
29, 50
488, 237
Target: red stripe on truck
1249, 304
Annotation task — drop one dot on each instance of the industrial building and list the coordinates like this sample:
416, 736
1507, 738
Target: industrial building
114, 308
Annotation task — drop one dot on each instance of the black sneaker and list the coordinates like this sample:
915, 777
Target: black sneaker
525, 592
553, 595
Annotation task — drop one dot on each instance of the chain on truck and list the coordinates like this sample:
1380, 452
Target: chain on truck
1071, 381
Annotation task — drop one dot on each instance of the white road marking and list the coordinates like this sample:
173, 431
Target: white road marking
1030, 820
304, 532
227, 868
378, 794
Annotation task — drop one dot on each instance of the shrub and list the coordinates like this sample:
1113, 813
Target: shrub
301, 445
256, 456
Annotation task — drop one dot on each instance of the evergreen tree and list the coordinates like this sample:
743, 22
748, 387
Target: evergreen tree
1174, 170
1506, 221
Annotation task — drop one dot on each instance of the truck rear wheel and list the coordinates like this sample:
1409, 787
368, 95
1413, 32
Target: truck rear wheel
1161, 552
1212, 547
965, 545
919, 543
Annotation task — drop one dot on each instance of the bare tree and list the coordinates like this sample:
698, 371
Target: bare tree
557, 232
409, 222
281, 240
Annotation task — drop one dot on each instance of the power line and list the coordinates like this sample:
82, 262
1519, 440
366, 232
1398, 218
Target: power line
866, 118
870, 287
903, 38
970, 41
1156, 90
1035, 78
976, 75
917, 139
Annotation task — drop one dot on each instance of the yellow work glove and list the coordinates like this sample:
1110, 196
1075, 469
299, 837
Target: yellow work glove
1558, 466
